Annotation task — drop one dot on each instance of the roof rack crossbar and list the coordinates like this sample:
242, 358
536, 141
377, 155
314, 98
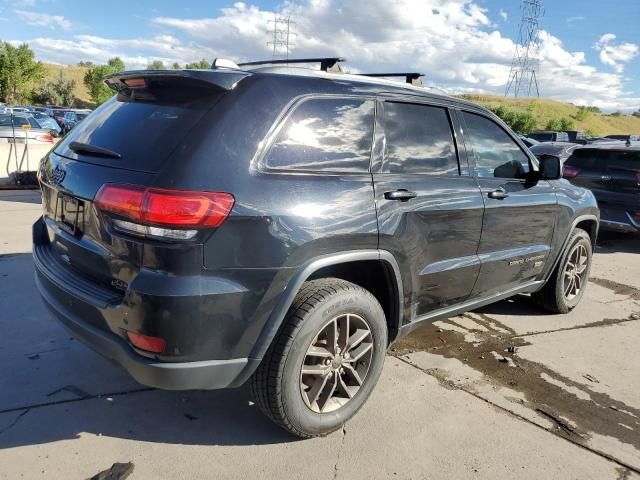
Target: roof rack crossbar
327, 64
412, 78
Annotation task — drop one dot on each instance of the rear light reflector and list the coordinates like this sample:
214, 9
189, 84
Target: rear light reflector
151, 209
638, 179
570, 172
145, 342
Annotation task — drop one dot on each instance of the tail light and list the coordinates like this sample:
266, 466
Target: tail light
163, 213
44, 138
145, 342
570, 172
638, 179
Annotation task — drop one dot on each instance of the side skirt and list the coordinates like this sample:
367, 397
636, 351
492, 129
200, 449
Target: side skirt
447, 312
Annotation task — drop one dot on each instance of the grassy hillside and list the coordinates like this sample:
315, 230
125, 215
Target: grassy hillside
544, 109
73, 73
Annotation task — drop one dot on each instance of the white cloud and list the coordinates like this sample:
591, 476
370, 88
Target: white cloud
613, 54
453, 42
503, 14
571, 20
44, 20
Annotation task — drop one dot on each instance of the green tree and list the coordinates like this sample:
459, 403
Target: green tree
202, 64
155, 65
582, 114
617, 113
18, 72
176, 66
85, 63
93, 79
59, 91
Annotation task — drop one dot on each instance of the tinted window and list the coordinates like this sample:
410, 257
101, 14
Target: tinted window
144, 133
495, 152
325, 135
418, 140
606, 160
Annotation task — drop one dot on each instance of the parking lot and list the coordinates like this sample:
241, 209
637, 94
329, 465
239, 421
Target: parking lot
507, 391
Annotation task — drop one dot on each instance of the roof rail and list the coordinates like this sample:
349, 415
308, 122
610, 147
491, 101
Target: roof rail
412, 78
327, 64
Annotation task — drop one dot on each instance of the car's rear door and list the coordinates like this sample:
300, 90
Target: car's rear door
520, 213
429, 207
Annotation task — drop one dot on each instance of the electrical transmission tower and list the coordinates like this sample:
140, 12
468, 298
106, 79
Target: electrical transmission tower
523, 77
282, 35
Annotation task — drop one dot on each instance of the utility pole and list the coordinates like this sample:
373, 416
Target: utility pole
523, 76
282, 33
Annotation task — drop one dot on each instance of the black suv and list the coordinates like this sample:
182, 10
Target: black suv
612, 173
284, 225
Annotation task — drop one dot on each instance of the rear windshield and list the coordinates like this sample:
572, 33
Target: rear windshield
18, 121
143, 132
600, 159
550, 149
542, 137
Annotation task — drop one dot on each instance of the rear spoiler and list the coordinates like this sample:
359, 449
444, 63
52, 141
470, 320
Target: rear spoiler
222, 79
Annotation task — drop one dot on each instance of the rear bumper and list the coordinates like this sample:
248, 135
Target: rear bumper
100, 319
204, 375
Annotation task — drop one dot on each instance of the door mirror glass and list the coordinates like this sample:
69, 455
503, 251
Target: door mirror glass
550, 167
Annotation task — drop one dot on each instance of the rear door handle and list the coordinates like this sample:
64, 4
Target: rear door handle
401, 194
498, 194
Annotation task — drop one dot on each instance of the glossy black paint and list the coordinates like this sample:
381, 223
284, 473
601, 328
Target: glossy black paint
223, 294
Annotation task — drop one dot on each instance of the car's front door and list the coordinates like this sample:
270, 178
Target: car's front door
429, 207
520, 211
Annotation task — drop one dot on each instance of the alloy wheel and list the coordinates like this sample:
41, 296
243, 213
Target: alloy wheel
336, 363
575, 272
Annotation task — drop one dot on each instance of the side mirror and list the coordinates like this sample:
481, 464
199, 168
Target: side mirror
550, 167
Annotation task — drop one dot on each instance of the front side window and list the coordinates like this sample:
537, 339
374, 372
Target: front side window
325, 135
418, 140
495, 152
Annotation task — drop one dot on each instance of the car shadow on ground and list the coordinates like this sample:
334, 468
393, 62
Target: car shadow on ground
223, 418
616, 242
520, 305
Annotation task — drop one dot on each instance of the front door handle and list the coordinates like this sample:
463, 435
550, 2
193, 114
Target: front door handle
498, 194
401, 194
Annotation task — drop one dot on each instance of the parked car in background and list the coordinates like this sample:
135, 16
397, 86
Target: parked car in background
58, 114
577, 136
612, 173
549, 136
562, 150
528, 141
72, 118
343, 212
12, 129
45, 121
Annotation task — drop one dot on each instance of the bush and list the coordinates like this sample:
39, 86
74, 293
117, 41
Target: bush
521, 122
560, 124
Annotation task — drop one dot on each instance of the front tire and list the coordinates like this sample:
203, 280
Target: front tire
566, 286
326, 359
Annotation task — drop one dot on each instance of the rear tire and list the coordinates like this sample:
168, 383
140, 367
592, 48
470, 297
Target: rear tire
316, 376
567, 284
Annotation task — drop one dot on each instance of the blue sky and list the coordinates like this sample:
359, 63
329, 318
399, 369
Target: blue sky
589, 52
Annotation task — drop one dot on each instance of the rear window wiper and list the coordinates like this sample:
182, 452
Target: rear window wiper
87, 149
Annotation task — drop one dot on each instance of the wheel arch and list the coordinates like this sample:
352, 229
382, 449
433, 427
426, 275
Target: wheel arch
338, 264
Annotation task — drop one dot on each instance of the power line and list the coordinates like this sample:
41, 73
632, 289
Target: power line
282, 34
523, 76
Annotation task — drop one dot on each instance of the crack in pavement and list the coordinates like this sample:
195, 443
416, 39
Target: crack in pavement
73, 400
335, 466
577, 411
15, 421
574, 441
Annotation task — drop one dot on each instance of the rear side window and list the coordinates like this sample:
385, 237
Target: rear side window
418, 140
325, 135
495, 152
605, 160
